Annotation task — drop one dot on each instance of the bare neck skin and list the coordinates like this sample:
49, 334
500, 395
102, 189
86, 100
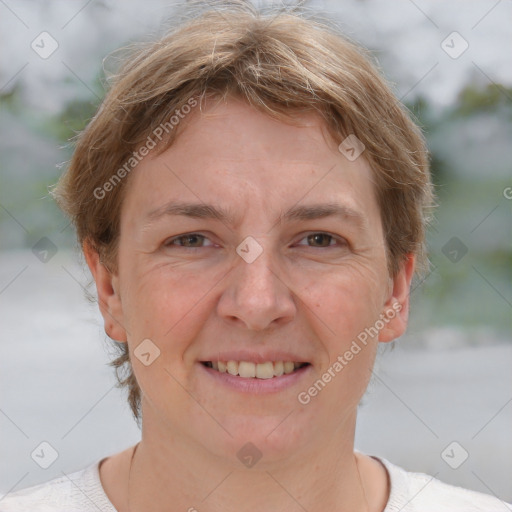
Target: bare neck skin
327, 477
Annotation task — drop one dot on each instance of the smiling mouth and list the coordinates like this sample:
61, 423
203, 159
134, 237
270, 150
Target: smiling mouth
248, 370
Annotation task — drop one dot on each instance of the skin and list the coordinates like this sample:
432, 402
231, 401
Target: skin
308, 295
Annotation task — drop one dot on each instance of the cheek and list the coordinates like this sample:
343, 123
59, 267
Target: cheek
168, 306
345, 302
346, 299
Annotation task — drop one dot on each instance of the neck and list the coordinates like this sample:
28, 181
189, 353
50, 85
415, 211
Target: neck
190, 478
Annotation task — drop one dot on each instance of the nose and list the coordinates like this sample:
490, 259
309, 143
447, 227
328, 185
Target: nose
256, 295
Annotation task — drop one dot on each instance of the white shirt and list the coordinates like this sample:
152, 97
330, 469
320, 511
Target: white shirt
409, 492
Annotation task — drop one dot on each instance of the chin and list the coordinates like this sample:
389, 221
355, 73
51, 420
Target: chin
268, 439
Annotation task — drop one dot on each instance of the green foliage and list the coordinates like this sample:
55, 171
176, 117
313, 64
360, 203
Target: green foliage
424, 116
439, 169
76, 114
72, 120
11, 100
422, 113
473, 99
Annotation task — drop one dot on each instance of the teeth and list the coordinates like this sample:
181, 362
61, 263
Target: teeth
264, 370
288, 367
247, 369
278, 369
232, 367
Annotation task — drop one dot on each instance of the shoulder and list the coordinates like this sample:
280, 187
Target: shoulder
418, 492
77, 492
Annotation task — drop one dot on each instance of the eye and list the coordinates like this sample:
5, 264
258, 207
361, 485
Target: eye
322, 240
189, 240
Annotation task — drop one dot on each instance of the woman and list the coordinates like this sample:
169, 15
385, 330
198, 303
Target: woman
251, 201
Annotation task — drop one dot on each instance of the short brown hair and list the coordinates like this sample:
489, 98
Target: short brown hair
282, 63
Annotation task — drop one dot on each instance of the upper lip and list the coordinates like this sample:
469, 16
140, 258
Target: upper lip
254, 357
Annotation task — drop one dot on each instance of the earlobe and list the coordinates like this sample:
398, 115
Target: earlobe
396, 309
109, 300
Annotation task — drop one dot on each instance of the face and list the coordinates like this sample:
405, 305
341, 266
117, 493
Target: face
255, 245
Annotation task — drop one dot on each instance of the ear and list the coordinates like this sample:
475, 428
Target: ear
107, 285
395, 313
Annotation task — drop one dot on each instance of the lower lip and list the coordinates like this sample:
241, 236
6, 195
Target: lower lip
255, 385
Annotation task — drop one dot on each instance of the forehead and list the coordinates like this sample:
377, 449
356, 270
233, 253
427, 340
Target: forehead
237, 157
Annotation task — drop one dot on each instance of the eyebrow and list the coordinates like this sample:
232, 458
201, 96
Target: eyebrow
296, 213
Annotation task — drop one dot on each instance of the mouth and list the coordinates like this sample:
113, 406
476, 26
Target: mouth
250, 370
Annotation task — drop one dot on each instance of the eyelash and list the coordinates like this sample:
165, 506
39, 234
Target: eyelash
170, 242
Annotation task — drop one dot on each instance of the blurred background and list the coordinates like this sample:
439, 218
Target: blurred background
441, 398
